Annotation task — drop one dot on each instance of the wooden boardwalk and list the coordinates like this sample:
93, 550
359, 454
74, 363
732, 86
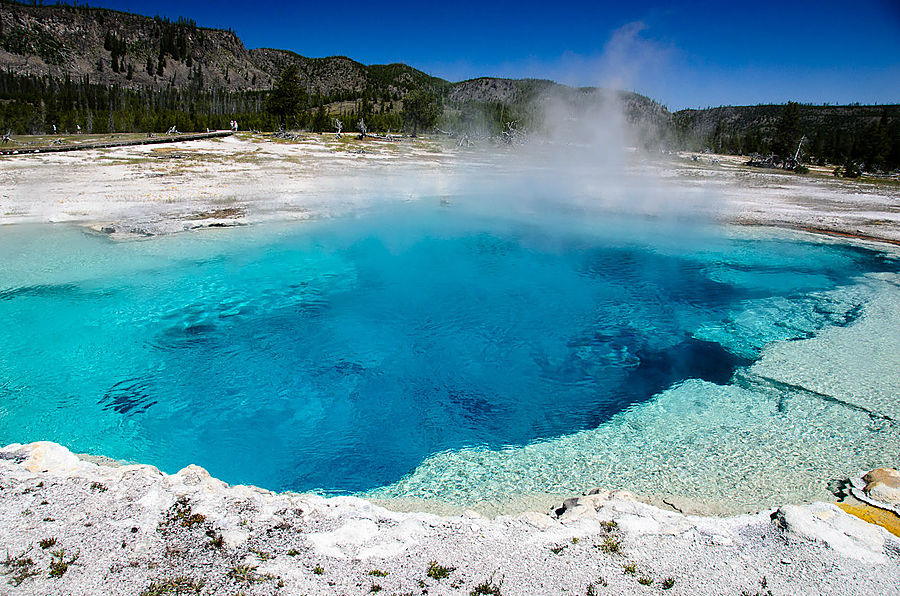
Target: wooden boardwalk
162, 138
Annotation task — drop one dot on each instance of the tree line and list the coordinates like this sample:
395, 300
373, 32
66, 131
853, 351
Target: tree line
855, 137
858, 136
31, 104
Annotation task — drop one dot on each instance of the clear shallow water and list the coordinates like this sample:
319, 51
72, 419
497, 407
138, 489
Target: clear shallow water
340, 355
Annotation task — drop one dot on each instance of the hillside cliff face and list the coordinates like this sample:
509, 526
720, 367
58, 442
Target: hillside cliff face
117, 48
123, 49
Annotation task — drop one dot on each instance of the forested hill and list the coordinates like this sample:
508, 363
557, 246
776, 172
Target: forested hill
102, 70
865, 135
70, 67
133, 51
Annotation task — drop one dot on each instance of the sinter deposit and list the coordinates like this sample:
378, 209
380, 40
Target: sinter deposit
71, 526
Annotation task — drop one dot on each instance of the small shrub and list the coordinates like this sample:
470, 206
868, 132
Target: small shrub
47, 543
181, 514
629, 568
487, 588
851, 170
609, 526
99, 487
592, 590
375, 588
611, 545
262, 555
645, 580
378, 573
246, 574
557, 549
763, 583
217, 541
439, 572
193, 520
293, 552
178, 586
668, 583
575, 540
318, 570
59, 563
20, 568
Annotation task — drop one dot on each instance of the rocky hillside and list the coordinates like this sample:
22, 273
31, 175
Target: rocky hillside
139, 52
120, 48
336, 74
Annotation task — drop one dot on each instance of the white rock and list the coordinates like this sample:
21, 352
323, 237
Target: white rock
383, 550
234, 538
579, 511
411, 530
156, 500
638, 524
846, 534
540, 521
193, 475
621, 495
44, 456
353, 533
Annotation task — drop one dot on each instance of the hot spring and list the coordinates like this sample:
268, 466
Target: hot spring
442, 351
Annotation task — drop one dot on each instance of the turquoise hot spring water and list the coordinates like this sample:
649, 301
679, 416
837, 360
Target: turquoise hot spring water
448, 352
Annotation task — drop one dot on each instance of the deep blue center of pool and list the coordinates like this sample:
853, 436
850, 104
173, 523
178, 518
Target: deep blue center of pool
337, 355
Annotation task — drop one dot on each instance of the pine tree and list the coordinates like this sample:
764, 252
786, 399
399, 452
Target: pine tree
421, 109
789, 130
285, 98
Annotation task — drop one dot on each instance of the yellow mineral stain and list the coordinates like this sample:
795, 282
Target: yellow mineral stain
881, 517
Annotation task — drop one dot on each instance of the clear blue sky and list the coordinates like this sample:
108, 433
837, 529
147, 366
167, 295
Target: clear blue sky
691, 54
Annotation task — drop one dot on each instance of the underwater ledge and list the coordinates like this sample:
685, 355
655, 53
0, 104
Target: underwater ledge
75, 526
